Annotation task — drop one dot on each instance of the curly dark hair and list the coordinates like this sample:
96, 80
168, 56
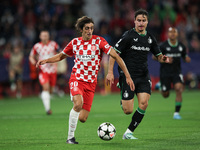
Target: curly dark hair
82, 21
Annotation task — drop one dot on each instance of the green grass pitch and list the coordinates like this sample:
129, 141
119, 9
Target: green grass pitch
25, 126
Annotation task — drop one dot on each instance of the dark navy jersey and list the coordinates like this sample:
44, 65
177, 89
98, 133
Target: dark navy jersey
134, 48
176, 52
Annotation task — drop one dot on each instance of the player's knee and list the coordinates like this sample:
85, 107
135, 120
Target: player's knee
144, 105
127, 111
78, 107
83, 119
179, 90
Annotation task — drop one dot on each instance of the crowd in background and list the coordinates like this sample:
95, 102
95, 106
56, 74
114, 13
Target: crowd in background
22, 20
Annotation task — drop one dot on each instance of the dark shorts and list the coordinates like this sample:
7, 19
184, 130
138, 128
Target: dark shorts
142, 85
166, 81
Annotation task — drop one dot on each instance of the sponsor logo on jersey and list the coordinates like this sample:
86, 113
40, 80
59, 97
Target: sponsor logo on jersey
174, 55
85, 57
150, 40
140, 48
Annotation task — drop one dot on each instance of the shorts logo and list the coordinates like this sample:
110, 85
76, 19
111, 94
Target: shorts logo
150, 83
164, 88
74, 85
125, 94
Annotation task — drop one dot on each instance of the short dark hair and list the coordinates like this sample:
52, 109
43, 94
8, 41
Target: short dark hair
82, 21
141, 12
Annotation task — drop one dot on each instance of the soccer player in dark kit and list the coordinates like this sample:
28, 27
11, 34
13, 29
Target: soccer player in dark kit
133, 48
171, 72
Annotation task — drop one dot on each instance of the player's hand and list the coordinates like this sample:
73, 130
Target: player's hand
129, 81
167, 59
110, 79
41, 62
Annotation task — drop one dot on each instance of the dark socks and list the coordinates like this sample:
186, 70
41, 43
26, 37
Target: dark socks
178, 106
136, 119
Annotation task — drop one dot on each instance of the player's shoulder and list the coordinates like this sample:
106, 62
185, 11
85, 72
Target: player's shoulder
130, 32
97, 37
181, 44
150, 34
164, 43
37, 45
53, 42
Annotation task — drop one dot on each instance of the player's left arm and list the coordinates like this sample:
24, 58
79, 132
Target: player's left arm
157, 53
163, 59
122, 65
185, 56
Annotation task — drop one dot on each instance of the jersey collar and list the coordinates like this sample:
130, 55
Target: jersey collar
172, 44
140, 33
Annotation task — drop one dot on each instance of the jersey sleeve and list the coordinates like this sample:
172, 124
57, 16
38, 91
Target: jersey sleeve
162, 48
68, 50
184, 53
57, 47
122, 44
105, 46
155, 49
33, 51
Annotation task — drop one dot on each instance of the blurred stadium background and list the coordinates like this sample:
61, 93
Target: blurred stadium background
22, 20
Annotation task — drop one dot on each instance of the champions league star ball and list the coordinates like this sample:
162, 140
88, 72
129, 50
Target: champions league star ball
106, 131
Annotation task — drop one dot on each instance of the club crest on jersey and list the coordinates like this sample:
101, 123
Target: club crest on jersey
180, 48
150, 40
125, 94
93, 47
168, 48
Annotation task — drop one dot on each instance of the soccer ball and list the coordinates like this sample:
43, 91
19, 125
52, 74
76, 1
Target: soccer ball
106, 131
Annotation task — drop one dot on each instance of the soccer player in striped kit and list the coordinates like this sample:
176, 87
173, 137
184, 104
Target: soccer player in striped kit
88, 50
48, 72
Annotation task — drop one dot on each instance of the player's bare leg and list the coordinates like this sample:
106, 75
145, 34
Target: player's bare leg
137, 117
83, 115
73, 118
127, 106
178, 89
45, 95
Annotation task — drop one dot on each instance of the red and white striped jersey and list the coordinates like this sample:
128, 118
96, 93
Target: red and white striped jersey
45, 51
88, 55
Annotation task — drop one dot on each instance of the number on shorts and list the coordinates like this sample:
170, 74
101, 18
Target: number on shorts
73, 84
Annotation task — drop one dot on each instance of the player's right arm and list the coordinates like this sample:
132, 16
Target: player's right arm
121, 45
67, 52
122, 65
58, 57
32, 55
110, 75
